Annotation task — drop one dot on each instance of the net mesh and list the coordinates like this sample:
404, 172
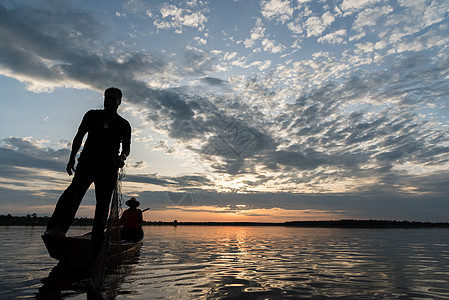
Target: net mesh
109, 269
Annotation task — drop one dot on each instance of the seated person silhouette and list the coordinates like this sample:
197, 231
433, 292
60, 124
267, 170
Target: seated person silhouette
131, 220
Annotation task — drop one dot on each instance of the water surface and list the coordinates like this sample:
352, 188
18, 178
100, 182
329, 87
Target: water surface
234, 262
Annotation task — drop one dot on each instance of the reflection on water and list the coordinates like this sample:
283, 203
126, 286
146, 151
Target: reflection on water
199, 262
277, 262
62, 283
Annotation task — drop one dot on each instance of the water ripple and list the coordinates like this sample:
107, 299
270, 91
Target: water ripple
196, 262
251, 262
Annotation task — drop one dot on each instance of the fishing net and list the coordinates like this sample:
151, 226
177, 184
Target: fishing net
109, 269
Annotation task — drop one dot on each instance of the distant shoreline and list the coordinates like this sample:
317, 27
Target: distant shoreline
316, 224
33, 220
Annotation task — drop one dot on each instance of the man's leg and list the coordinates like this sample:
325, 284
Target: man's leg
104, 187
69, 202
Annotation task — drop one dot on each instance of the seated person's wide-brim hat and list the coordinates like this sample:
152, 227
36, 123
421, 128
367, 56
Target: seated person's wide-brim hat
132, 202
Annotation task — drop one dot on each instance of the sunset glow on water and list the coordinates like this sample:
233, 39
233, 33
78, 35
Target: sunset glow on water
225, 262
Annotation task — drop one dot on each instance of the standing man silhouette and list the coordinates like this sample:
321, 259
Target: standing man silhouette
98, 163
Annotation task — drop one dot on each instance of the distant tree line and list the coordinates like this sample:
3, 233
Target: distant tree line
349, 223
316, 224
34, 220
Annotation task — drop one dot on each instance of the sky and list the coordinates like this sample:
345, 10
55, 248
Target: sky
251, 110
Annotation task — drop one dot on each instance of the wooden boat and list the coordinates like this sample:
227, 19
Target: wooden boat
99, 277
77, 252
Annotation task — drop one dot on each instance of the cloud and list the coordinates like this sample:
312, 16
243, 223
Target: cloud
337, 37
36, 52
136, 7
295, 28
324, 122
164, 147
200, 40
28, 153
294, 160
72, 65
271, 46
178, 18
213, 81
356, 5
429, 40
150, 179
257, 33
423, 15
30, 171
279, 10
315, 26
370, 17
290, 206
316, 121
139, 164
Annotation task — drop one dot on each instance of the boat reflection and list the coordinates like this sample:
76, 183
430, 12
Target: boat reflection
65, 282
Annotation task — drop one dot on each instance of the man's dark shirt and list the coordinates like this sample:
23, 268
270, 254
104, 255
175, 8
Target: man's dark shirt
103, 144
